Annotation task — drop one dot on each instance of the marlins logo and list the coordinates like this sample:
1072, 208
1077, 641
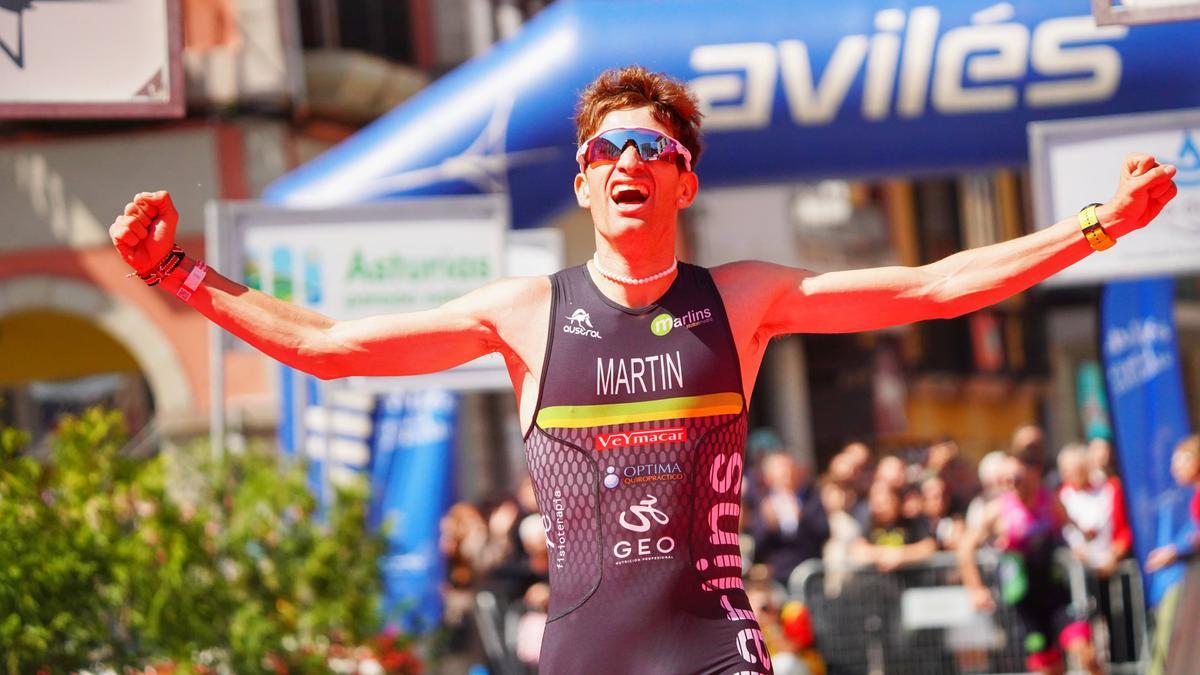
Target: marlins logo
580, 323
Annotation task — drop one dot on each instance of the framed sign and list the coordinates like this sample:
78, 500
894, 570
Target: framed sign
1078, 161
115, 58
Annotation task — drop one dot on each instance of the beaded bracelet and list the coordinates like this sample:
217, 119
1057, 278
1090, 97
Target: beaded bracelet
164, 267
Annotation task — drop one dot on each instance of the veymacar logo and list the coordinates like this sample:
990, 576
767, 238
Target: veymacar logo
580, 323
624, 439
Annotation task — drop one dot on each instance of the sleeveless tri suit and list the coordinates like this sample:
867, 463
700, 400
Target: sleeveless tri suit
636, 454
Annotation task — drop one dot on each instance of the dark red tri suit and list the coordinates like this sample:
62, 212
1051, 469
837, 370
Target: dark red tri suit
636, 453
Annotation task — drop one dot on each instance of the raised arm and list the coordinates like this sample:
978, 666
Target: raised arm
799, 301
398, 344
971, 540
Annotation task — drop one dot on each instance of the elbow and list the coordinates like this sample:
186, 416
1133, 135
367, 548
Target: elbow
320, 358
323, 366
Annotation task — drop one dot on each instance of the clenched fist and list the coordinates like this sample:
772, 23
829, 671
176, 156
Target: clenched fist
1144, 189
145, 232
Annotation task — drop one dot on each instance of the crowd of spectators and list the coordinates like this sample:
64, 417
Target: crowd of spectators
885, 511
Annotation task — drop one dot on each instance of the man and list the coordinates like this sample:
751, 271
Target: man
790, 526
1026, 524
632, 372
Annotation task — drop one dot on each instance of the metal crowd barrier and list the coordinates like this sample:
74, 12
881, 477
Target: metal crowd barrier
919, 620
1119, 619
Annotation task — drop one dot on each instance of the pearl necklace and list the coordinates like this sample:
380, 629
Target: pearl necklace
631, 281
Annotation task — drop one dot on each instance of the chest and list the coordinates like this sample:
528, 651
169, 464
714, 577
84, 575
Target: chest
602, 354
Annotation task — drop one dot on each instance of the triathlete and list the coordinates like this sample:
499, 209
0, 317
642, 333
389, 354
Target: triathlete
632, 371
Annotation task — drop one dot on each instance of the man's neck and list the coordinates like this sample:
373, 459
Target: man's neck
635, 262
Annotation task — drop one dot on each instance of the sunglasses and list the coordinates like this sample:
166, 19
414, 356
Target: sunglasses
649, 144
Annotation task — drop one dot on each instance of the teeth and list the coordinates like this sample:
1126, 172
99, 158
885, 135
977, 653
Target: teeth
630, 188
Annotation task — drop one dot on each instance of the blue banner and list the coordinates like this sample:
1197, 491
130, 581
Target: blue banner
412, 486
790, 90
1145, 388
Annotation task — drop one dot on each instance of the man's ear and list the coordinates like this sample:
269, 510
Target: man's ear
582, 192
688, 187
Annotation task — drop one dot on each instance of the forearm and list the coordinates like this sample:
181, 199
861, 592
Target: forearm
410, 343
285, 332
967, 565
917, 552
979, 277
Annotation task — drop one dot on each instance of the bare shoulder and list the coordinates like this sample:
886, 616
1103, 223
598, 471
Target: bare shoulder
755, 275
754, 284
517, 309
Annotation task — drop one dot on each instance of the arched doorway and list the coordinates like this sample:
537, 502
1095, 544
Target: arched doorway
66, 345
56, 363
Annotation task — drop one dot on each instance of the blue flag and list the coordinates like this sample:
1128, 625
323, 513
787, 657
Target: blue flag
412, 486
1141, 368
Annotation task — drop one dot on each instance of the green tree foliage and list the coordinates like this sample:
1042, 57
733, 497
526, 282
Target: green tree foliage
105, 559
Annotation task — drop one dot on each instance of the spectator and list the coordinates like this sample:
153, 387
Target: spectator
890, 541
531, 624
992, 481
844, 530
1122, 638
912, 503
462, 540
516, 557
892, 472
1100, 464
946, 526
1185, 468
1089, 509
858, 458
1027, 524
790, 526
947, 462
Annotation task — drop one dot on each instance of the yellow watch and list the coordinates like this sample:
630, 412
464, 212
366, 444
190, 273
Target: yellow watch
1093, 231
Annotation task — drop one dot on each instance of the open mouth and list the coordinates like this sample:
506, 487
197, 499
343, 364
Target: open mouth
630, 194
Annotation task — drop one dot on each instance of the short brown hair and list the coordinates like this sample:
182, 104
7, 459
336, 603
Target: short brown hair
634, 87
1189, 445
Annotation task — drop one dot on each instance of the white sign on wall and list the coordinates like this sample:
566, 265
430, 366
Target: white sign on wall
357, 269
380, 258
117, 58
1077, 162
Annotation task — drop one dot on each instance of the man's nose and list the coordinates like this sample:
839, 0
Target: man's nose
629, 159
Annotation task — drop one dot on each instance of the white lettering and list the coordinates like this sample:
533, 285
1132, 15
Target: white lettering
881, 64
651, 361
645, 547
604, 377
809, 104
919, 43
982, 54
719, 94
621, 376
1051, 56
979, 68
636, 368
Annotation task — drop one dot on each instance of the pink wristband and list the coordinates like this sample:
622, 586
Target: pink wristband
192, 282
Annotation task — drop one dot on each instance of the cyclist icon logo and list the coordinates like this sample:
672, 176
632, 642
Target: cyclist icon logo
644, 511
